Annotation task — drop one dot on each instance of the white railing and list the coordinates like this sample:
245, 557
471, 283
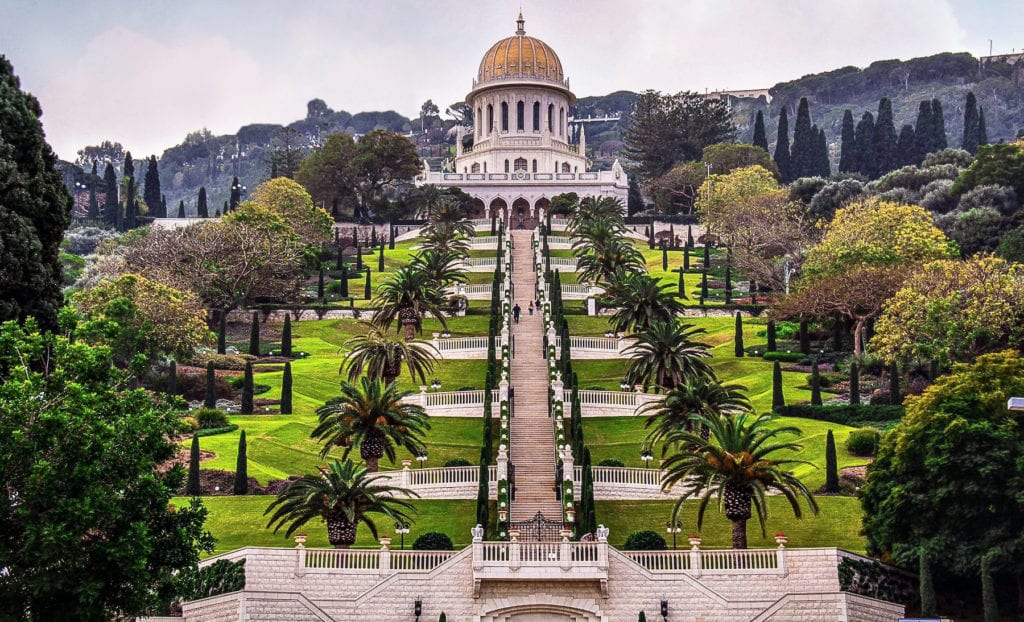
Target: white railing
591, 397
452, 344
484, 241
661, 561
457, 398
559, 243
626, 476
359, 559
563, 264
443, 475
539, 554
419, 560
606, 344
477, 264
725, 561
559, 224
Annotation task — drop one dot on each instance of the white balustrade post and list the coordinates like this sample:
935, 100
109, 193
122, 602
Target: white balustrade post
503, 389
406, 473
504, 335
559, 388
423, 395
478, 546
695, 557
502, 464
602, 547
513, 552
385, 556
781, 554
565, 551
568, 468
591, 306
300, 558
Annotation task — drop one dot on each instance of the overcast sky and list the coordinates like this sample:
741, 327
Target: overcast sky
145, 73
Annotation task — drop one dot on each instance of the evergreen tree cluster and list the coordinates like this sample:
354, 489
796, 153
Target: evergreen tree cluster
872, 147
808, 154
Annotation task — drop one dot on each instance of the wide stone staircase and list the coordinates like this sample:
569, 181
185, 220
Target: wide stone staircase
532, 434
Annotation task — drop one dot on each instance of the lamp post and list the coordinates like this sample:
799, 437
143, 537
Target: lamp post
435, 384
421, 458
402, 528
646, 456
674, 529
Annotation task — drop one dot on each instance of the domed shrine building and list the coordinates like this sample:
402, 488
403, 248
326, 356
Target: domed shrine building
521, 152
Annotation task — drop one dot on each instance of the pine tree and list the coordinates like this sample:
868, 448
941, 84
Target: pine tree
831, 464
778, 400
865, 145
938, 127
151, 189
172, 379
380, 259
923, 132
111, 205
854, 384
202, 211
254, 334
247, 390
894, 384
772, 344
320, 285
801, 153
847, 147
738, 338
982, 129
805, 339
286, 389
885, 139
222, 331
211, 394
760, 138
181, 209
926, 587
241, 468
815, 385
905, 146
343, 290
286, 336
236, 194
782, 147
192, 487
969, 143
368, 286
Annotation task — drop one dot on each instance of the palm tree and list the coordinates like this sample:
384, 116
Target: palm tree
372, 417
440, 266
449, 238
381, 357
604, 258
408, 294
736, 465
343, 496
706, 397
640, 300
592, 209
665, 355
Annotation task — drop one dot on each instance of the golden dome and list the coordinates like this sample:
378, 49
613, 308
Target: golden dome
520, 57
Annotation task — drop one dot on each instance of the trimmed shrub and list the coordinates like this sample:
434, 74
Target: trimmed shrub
210, 418
611, 462
831, 464
645, 540
863, 442
433, 541
216, 431
846, 414
232, 362
784, 357
458, 462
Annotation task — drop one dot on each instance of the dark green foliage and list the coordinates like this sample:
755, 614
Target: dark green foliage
380, 259
738, 337
634, 198
359, 254
236, 194
611, 462
689, 237
442, 618
664, 257
863, 442
433, 541
35, 209
286, 336
368, 285
247, 390
686, 259
681, 286
181, 209
320, 285
286, 389
222, 329
864, 145
343, 280
728, 282
969, 142
458, 462
785, 357
847, 149
938, 127
772, 343
172, 379
254, 334
894, 384
805, 338
220, 577
645, 540
760, 138
854, 384
822, 165
111, 207
801, 156
128, 181
151, 189
926, 585
905, 146
94, 207
923, 132
815, 385
482, 495
202, 211
781, 157
846, 414
831, 464
885, 157
211, 379
192, 487
982, 128
241, 468
995, 165
211, 418
989, 604
642, 617
778, 399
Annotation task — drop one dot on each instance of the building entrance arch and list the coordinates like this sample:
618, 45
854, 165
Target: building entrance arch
541, 608
499, 210
522, 215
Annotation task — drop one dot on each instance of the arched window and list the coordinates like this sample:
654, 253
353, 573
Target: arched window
485, 167
490, 119
561, 122
520, 116
479, 122
551, 118
535, 166
476, 167
520, 164
506, 166
536, 116
566, 168
556, 166
504, 116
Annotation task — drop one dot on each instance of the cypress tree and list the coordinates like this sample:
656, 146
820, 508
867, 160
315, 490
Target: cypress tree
805, 338
847, 148
831, 464
151, 189
989, 604
894, 384
210, 400
368, 286
781, 156
682, 284
131, 215
373, 237
247, 390
254, 334
885, 139
815, 385
926, 586
865, 144
181, 209
343, 290
642, 617
94, 207
969, 142
923, 132
801, 153
236, 194
286, 336
128, 179
222, 332
172, 379
664, 258
380, 259
728, 281
355, 237
286, 389
707, 257
689, 236
905, 145
483, 495
854, 383
686, 259
202, 211
241, 468
822, 164
703, 286
339, 260
320, 285
938, 127
359, 255
772, 344
982, 129
738, 339
760, 138
163, 205
111, 206
671, 236
391, 238
192, 487
778, 400
634, 198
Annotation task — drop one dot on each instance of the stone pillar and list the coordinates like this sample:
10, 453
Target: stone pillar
385, 556
406, 463
602, 547
478, 546
513, 552
502, 465
300, 557
559, 388
695, 556
504, 335
423, 395
568, 466
565, 551
781, 553
591, 306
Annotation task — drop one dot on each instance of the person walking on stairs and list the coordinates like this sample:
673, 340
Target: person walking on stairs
530, 308
516, 310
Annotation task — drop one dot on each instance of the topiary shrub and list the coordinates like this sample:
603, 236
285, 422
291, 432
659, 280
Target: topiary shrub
611, 462
433, 541
863, 442
784, 357
210, 418
458, 462
645, 540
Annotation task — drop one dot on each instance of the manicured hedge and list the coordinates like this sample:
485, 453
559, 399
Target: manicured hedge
215, 431
784, 357
846, 414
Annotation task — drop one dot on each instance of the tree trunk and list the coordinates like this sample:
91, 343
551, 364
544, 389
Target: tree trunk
372, 464
410, 329
341, 533
739, 534
858, 338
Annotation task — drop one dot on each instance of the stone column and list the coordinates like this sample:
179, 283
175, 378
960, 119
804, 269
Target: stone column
385, 556
591, 306
423, 395
568, 466
559, 388
478, 546
602, 547
502, 464
513, 552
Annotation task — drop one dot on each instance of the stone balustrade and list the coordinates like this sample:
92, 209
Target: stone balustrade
460, 347
484, 242
477, 264
596, 347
